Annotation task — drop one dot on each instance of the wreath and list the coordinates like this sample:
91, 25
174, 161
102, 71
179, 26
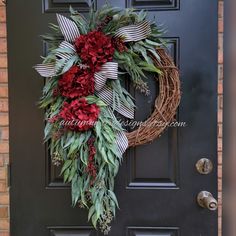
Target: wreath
87, 65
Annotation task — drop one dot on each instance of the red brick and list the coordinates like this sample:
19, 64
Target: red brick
220, 171
220, 116
220, 158
4, 119
3, 173
5, 157
3, 105
4, 224
221, 9
2, 14
221, 25
4, 133
3, 90
219, 184
3, 75
4, 199
220, 71
220, 198
3, 187
4, 233
2, 3
220, 130
220, 102
3, 30
4, 148
3, 60
219, 144
220, 88
3, 45
219, 211
4, 212
220, 49
2, 161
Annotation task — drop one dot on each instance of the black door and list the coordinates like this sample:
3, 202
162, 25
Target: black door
158, 183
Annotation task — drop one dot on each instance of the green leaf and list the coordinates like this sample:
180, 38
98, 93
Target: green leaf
69, 64
104, 155
75, 190
94, 221
154, 53
91, 212
66, 174
77, 143
149, 67
98, 209
98, 128
113, 197
70, 140
66, 166
152, 43
84, 155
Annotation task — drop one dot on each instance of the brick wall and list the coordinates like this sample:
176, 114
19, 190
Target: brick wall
4, 129
220, 107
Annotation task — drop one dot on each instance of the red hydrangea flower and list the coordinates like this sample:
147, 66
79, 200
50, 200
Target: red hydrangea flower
78, 115
76, 82
95, 49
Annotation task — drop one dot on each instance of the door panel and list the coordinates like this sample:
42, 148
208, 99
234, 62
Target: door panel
154, 5
157, 183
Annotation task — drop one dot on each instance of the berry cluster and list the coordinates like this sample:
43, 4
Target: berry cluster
91, 168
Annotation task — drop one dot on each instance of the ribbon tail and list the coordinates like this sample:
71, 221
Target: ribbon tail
121, 139
100, 81
122, 142
68, 28
106, 94
46, 70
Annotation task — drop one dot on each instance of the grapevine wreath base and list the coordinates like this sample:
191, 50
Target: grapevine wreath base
166, 102
87, 64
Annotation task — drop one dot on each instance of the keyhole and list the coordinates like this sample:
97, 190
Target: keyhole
204, 166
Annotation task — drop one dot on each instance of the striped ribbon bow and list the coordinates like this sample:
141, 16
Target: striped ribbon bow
109, 70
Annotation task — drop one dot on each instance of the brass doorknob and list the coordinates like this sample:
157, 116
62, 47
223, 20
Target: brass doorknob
206, 200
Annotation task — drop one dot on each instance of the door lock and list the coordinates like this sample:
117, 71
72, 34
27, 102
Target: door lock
204, 166
206, 200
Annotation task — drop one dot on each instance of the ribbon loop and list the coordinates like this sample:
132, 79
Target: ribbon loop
68, 28
65, 50
45, 70
134, 33
108, 71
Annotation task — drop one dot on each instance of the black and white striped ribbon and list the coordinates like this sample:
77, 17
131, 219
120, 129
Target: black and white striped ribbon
68, 28
49, 69
66, 52
107, 95
134, 33
121, 139
108, 71
45, 70
122, 142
